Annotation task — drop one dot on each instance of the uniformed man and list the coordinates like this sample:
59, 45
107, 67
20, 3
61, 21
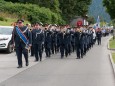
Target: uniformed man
37, 41
69, 40
63, 42
99, 35
32, 32
47, 41
72, 39
53, 39
77, 42
22, 38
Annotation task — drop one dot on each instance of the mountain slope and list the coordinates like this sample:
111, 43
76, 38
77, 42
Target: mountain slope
96, 9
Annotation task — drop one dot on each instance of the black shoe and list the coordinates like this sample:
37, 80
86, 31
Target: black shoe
32, 55
66, 56
40, 60
27, 64
19, 66
49, 56
61, 57
36, 61
77, 58
82, 56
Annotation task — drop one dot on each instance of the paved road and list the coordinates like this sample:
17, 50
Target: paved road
93, 70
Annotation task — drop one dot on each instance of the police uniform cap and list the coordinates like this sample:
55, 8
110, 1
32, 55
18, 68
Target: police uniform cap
38, 23
20, 20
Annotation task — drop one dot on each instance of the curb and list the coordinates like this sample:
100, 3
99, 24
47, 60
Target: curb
112, 63
108, 44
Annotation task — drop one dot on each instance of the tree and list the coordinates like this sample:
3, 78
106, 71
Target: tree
67, 8
72, 8
51, 4
110, 7
91, 20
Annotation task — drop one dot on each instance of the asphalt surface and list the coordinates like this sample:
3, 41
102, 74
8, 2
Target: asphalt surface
93, 70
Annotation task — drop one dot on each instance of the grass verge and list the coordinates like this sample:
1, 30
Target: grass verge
9, 22
113, 57
112, 43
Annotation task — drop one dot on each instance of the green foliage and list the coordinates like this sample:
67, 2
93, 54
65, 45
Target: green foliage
51, 4
72, 8
91, 20
113, 57
110, 7
2, 19
31, 12
10, 21
112, 43
67, 8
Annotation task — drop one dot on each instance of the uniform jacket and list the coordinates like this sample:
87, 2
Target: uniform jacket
37, 36
17, 40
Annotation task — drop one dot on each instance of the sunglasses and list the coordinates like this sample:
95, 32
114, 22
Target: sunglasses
19, 22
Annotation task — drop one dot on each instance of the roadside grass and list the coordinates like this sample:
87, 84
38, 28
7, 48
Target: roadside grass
113, 56
9, 19
112, 43
9, 22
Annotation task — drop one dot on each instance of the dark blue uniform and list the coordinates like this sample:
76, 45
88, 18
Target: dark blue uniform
20, 45
37, 42
72, 41
85, 43
77, 44
47, 42
82, 44
32, 47
54, 42
63, 42
69, 41
99, 35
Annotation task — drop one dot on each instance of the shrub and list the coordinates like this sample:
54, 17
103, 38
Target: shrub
2, 19
31, 12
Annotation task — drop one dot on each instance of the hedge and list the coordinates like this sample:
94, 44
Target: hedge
31, 12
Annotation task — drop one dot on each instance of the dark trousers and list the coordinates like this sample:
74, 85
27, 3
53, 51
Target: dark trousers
48, 49
69, 48
64, 48
52, 47
94, 40
73, 46
32, 50
42, 48
85, 49
19, 51
78, 51
99, 41
38, 51
82, 50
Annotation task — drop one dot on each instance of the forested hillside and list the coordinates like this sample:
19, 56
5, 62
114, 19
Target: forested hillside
96, 8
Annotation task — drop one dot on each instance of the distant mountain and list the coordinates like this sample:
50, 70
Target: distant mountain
96, 9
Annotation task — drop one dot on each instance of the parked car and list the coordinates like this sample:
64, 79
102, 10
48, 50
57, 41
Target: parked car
5, 38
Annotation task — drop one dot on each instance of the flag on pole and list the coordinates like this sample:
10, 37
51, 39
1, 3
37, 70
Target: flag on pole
98, 22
